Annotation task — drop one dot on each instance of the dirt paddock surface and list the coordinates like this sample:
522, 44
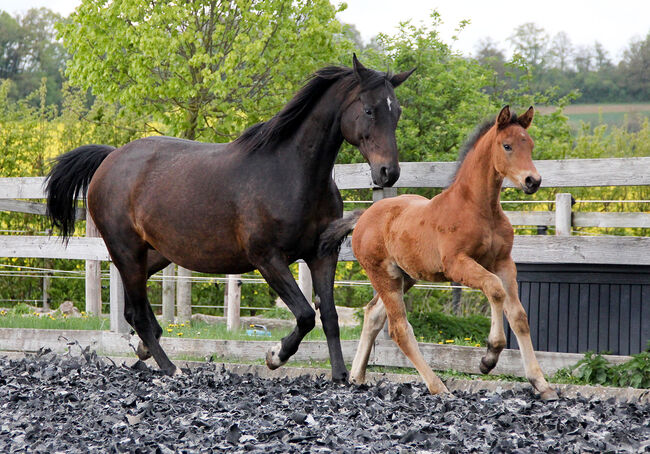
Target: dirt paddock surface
84, 403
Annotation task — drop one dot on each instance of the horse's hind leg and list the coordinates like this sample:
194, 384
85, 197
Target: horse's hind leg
129, 254
155, 262
389, 283
322, 271
279, 277
373, 321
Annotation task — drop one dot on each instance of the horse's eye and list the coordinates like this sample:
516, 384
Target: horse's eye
368, 111
507, 147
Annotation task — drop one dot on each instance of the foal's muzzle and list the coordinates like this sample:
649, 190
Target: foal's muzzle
385, 176
531, 184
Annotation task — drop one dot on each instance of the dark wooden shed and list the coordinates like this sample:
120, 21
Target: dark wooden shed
577, 308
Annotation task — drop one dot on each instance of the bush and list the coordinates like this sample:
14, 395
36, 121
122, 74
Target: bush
439, 327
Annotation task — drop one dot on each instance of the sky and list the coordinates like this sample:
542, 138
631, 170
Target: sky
613, 23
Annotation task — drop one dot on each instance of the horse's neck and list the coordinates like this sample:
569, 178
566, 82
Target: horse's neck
478, 180
316, 142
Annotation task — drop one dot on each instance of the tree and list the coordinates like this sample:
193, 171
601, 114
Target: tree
202, 68
561, 51
531, 42
634, 69
30, 52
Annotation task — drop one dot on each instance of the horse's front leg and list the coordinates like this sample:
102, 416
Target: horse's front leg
518, 320
279, 277
322, 272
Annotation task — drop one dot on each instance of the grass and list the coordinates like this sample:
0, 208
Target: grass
194, 329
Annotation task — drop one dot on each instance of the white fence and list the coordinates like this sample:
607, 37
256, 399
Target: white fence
561, 248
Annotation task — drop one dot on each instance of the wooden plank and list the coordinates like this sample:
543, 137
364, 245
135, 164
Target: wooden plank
183, 295
20, 206
531, 217
555, 173
568, 249
118, 322
22, 188
78, 248
168, 300
233, 314
595, 219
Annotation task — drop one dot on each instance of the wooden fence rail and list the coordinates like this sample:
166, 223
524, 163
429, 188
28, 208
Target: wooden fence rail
563, 248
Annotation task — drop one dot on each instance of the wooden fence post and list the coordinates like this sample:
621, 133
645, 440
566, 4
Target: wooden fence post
93, 274
305, 282
118, 322
168, 293
234, 302
183, 295
378, 194
563, 214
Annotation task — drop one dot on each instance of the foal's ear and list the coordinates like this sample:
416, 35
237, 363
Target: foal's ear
360, 71
397, 79
526, 119
503, 119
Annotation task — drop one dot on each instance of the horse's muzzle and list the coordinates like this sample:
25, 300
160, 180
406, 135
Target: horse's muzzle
385, 176
531, 184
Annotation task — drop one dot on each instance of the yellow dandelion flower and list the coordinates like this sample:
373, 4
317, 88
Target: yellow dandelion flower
439, 332
477, 345
450, 341
179, 334
440, 343
169, 330
468, 338
182, 324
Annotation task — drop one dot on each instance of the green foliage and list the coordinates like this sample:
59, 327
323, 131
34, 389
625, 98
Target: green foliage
594, 369
204, 69
440, 327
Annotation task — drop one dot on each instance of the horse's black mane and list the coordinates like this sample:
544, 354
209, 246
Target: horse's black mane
474, 137
294, 113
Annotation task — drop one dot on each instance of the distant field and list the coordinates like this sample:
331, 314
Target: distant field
610, 114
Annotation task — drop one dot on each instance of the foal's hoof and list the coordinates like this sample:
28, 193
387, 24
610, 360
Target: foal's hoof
143, 352
485, 367
273, 360
358, 379
549, 395
340, 379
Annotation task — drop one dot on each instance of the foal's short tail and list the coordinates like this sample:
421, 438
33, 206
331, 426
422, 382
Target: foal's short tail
69, 178
335, 233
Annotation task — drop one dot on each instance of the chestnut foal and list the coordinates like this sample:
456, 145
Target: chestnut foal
461, 235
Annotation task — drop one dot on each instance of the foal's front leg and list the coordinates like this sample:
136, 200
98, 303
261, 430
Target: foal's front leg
518, 320
279, 277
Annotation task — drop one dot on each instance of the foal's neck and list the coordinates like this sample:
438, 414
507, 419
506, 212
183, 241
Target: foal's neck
477, 179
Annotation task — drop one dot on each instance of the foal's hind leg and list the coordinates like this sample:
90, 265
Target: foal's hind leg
276, 272
322, 271
389, 285
155, 262
373, 321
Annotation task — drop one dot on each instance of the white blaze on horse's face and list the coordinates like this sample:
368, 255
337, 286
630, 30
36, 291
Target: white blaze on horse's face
389, 102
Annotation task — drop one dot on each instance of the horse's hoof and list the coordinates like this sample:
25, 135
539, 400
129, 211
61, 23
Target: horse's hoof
143, 352
177, 372
341, 379
549, 395
273, 360
358, 379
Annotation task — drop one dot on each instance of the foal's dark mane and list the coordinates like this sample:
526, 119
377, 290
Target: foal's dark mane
285, 122
474, 137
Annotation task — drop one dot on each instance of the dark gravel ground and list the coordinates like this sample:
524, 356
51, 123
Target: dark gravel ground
65, 403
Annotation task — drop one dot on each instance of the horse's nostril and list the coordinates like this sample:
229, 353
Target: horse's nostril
529, 181
383, 173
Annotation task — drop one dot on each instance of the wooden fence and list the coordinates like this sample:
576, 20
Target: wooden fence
15, 194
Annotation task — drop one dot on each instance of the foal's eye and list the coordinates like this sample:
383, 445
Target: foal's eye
507, 147
368, 111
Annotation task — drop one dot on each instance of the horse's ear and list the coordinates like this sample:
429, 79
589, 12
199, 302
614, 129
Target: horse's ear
360, 71
504, 117
397, 79
526, 119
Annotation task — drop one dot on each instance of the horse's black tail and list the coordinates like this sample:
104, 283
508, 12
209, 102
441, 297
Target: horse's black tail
332, 237
69, 178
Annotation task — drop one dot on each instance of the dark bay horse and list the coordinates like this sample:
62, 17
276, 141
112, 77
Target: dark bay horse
461, 235
260, 202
